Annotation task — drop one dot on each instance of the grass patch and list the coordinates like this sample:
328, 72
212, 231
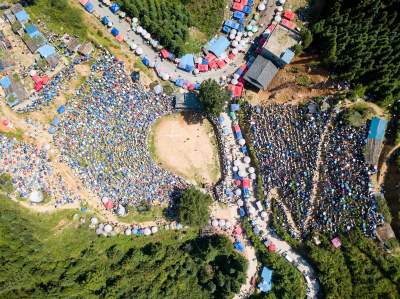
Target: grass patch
303, 80
358, 114
195, 41
17, 134
136, 216
59, 16
138, 65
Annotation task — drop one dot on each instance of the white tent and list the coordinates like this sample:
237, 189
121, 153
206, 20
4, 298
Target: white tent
128, 232
240, 203
147, 231
121, 211
238, 192
221, 223
99, 231
253, 176
214, 223
165, 76
154, 229
108, 228
251, 170
36, 196
278, 19
94, 220
247, 159
158, 89
235, 168
152, 63
261, 7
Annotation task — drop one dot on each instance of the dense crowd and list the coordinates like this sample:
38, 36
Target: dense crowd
286, 140
103, 136
31, 170
345, 199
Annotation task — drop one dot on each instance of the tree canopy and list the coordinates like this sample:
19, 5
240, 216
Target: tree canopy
46, 257
361, 41
193, 207
213, 96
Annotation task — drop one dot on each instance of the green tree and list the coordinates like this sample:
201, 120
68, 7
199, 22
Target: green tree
193, 207
213, 97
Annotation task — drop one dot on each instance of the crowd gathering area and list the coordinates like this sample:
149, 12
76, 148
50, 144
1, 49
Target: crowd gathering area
292, 144
103, 136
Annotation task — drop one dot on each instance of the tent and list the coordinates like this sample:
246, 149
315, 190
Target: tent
237, 6
36, 196
120, 38
32, 30
164, 53
290, 15
217, 46
202, 67
266, 283
377, 128
105, 20
114, 31
38, 86
235, 107
89, 7
55, 121
238, 246
186, 63
22, 16
47, 50
114, 8
83, 2
5, 82
61, 109
52, 130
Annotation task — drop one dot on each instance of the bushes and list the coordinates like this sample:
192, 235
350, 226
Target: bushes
213, 97
193, 207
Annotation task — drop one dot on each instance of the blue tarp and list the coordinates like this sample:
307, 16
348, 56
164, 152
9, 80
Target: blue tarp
55, 122
226, 29
145, 61
179, 82
197, 86
61, 109
114, 7
105, 20
247, 10
5, 82
217, 46
238, 135
232, 24
250, 2
187, 63
114, 31
242, 212
238, 246
377, 128
287, 56
239, 15
235, 107
32, 30
52, 130
266, 283
46, 51
89, 7
22, 16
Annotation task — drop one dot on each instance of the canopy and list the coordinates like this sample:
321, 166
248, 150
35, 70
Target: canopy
61, 109
114, 31
105, 20
89, 7
114, 7
36, 196
46, 50
217, 46
187, 62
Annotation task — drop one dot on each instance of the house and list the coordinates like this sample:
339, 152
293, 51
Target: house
261, 72
278, 45
375, 138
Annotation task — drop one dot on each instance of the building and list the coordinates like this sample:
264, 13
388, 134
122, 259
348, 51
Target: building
187, 102
86, 49
375, 138
261, 72
266, 283
73, 45
279, 44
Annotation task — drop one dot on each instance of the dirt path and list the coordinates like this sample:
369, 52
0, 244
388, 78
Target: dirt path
384, 167
187, 147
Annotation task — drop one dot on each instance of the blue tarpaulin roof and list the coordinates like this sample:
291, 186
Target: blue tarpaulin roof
187, 62
52, 130
377, 128
217, 46
266, 284
46, 51
235, 107
5, 82
287, 56
61, 109
114, 31
55, 121
22, 16
105, 20
89, 7
238, 246
32, 30
114, 7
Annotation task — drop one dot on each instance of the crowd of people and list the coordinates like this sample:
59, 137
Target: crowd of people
286, 140
103, 135
31, 171
345, 198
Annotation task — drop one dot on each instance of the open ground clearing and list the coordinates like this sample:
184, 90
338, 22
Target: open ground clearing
186, 147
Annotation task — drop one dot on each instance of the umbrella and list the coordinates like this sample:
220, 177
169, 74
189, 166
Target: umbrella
139, 51
261, 7
133, 46
165, 76
242, 142
240, 203
247, 160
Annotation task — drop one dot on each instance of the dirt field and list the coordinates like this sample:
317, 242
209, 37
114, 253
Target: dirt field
186, 148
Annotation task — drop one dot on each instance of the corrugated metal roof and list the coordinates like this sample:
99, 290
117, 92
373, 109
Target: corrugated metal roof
261, 72
377, 128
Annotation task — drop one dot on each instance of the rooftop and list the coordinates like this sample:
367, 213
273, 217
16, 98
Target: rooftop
280, 40
261, 72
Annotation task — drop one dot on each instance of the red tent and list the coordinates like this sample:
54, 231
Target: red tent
288, 24
271, 27
244, 2
231, 56
220, 63
272, 247
236, 128
202, 67
108, 205
210, 57
38, 86
120, 38
164, 53
45, 80
190, 86
237, 230
83, 2
5, 122
213, 64
36, 78
237, 6
237, 183
246, 183
290, 15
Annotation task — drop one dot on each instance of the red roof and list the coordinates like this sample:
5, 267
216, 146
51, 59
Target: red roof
202, 67
220, 63
271, 27
244, 2
236, 128
190, 86
210, 57
164, 53
246, 183
290, 15
288, 24
272, 247
231, 56
237, 6
120, 38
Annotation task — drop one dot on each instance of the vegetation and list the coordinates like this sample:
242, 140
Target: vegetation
142, 213
287, 281
17, 134
360, 41
75, 263
358, 270
193, 207
383, 208
6, 185
60, 16
213, 97
358, 114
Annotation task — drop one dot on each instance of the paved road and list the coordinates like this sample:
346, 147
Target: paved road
168, 66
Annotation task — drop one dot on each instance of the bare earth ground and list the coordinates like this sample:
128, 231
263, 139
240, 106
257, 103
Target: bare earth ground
187, 148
